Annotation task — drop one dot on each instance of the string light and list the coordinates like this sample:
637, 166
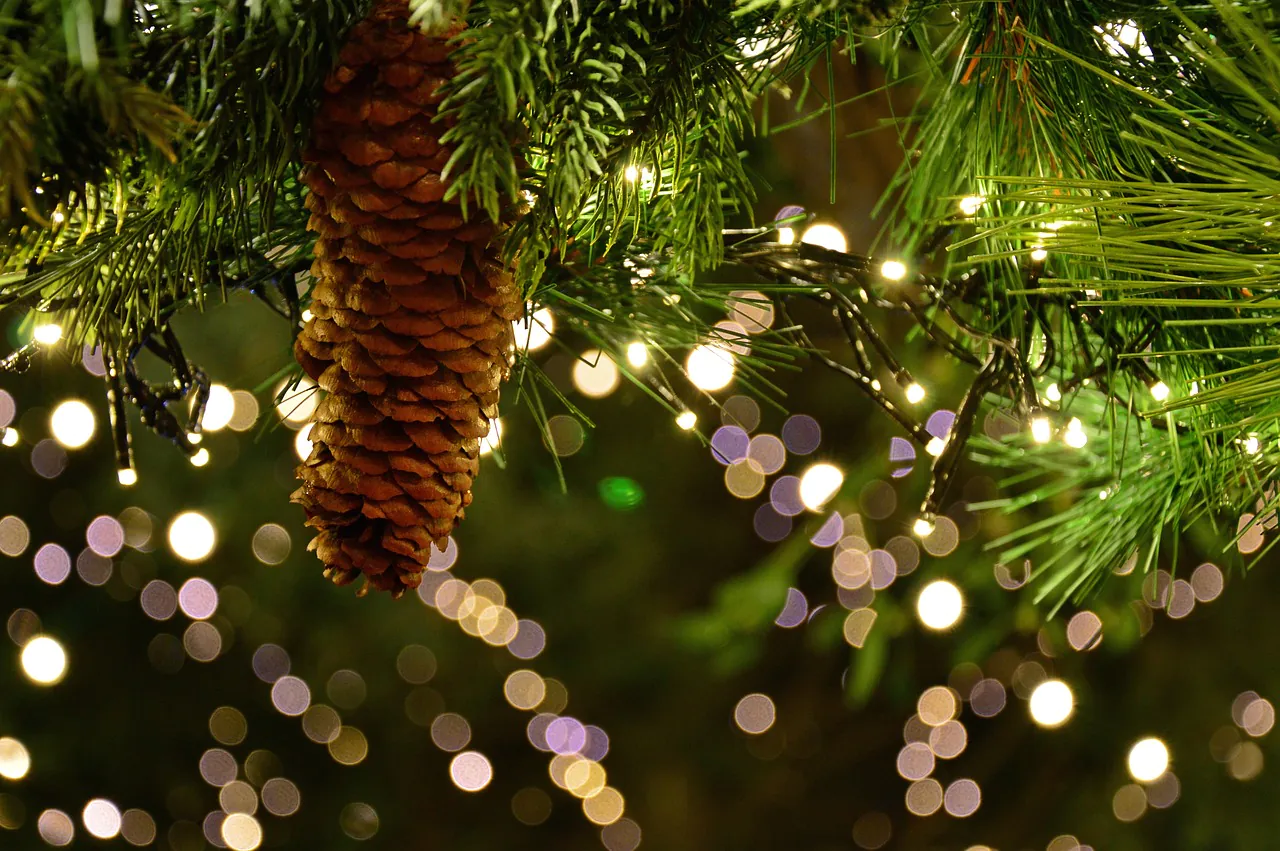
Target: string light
935, 446
1052, 393
10, 437
534, 331
893, 270
1148, 760
595, 374
15, 762
637, 354
200, 458
786, 236
970, 204
710, 367
818, 484
1039, 254
1251, 445
915, 393
923, 527
1074, 436
1052, 703
939, 605
194, 437
1159, 391
191, 536
47, 334
72, 424
492, 440
219, 410
631, 173
826, 236
127, 476
687, 420
1041, 429
43, 660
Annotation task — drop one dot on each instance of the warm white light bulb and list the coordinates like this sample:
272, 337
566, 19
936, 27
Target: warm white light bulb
72, 423
710, 367
970, 204
127, 476
10, 437
1041, 429
818, 484
1251, 445
47, 334
43, 660
935, 446
492, 440
194, 437
1052, 703
1039, 254
200, 458
687, 420
637, 354
1074, 436
939, 605
534, 331
893, 270
915, 393
1052, 393
922, 528
1159, 391
191, 536
786, 236
219, 409
826, 236
1148, 760
631, 173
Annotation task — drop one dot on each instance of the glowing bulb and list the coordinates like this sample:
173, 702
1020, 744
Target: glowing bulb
818, 484
298, 403
825, 236
534, 331
595, 374
922, 528
1251, 445
935, 446
307, 316
101, 819
1159, 391
219, 409
15, 762
72, 423
200, 458
47, 334
893, 270
1039, 254
1052, 703
915, 393
58, 217
631, 173
127, 476
191, 536
1148, 760
687, 420
939, 605
194, 437
637, 354
1052, 393
43, 660
492, 440
710, 367
10, 437
1074, 436
786, 236
1041, 429
970, 204
302, 442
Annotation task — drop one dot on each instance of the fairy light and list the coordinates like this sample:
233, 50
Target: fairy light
939, 605
1052, 703
826, 236
191, 536
915, 393
1039, 254
15, 761
786, 236
893, 270
1041, 429
302, 442
47, 334
1074, 436
970, 204
10, 437
1251, 445
1052, 393
631, 173
818, 484
44, 661
923, 527
492, 440
219, 410
72, 424
637, 354
687, 420
534, 331
710, 367
127, 476
935, 446
1148, 760
194, 437
200, 458
1159, 391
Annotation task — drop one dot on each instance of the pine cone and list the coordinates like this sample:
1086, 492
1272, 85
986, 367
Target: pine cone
411, 330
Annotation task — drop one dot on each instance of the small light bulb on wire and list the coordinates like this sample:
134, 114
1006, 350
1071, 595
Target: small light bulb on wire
786, 236
200, 458
194, 437
1052, 393
687, 420
631, 173
935, 446
127, 476
970, 204
1041, 429
47, 334
923, 527
893, 270
637, 354
1039, 254
915, 393
1251, 445
1074, 436
1159, 391
10, 437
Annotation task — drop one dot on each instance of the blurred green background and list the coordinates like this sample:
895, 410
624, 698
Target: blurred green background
658, 600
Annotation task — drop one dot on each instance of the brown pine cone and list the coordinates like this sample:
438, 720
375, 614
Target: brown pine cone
411, 330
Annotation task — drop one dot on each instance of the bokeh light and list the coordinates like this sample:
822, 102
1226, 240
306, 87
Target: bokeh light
1129, 802
924, 797
533, 331
359, 821
754, 713
44, 661
297, 401
470, 771
137, 827
52, 564
72, 423
198, 599
1051, 703
825, 236
191, 536
219, 410
962, 798
604, 807
290, 695
595, 375
281, 797
939, 605
710, 367
15, 761
56, 827
1147, 760
241, 832
101, 819
15, 537
349, 747
819, 484
47, 333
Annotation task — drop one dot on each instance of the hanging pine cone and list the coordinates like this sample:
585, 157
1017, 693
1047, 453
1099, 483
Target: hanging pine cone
411, 331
